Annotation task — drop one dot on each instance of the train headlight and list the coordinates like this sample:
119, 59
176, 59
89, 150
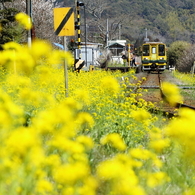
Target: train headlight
161, 58
145, 58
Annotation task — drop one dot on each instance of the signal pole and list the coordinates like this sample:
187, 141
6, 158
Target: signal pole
78, 24
107, 36
78, 30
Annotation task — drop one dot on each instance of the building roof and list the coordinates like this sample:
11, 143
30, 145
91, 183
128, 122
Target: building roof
90, 43
116, 43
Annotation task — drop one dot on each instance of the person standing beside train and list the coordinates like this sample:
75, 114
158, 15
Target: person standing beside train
124, 57
133, 64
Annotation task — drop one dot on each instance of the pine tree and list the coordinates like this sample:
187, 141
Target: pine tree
8, 31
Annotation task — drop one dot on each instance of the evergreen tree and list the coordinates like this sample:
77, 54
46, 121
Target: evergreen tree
8, 31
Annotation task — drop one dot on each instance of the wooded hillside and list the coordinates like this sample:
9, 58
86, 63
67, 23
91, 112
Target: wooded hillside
167, 20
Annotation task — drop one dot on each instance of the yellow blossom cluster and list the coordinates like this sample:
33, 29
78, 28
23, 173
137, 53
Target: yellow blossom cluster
171, 93
182, 130
18, 58
115, 141
52, 144
187, 79
24, 20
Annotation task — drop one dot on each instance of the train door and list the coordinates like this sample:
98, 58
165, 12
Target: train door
154, 53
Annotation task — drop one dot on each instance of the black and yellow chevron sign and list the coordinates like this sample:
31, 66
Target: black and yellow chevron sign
64, 21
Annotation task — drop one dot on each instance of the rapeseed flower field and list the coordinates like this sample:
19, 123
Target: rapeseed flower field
100, 140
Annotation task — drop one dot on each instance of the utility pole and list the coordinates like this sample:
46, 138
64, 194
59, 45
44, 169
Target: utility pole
146, 38
29, 13
146, 34
107, 34
65, 68
119, 33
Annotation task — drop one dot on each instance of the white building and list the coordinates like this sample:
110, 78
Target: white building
89, 53
117, 47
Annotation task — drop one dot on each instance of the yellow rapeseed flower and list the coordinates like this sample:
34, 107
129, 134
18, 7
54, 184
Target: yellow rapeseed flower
52, 160
82, 96
111, 169
10, 113
172, 93
124, 187
89, 187
24, 62
40, 49
5, 119
24, 20
44, 186
189, 192
115, 140
64, 144
140, 115
128, 161
84, 118
86, 141
18, 81
159, 144
12, 45
156, 179
37, 156
30, 97
21, 140
17, 58
72, 104
68, 190
110, 85
57, 57
182, 130
71, 173
141, 153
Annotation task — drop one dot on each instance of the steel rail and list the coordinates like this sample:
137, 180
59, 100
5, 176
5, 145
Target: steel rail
178, 105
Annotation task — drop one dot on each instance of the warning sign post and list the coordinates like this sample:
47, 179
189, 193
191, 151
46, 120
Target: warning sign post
64, 21
64, 26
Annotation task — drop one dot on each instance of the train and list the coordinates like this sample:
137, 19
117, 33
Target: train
154, 56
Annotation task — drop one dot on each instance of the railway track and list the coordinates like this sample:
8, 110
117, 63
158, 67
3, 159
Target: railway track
155, 93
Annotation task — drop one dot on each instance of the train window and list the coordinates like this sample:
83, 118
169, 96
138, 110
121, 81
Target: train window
161, 50
153, 49
146, 50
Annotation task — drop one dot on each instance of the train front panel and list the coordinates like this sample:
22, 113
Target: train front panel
154, 56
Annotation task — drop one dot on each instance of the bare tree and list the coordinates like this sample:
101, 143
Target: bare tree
96, 8
186, 60
42, 16
43, 19
100, 24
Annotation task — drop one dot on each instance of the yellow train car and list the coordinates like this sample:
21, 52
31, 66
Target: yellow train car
154, 57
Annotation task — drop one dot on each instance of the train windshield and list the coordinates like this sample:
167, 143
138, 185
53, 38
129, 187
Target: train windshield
161, 50
146, 50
